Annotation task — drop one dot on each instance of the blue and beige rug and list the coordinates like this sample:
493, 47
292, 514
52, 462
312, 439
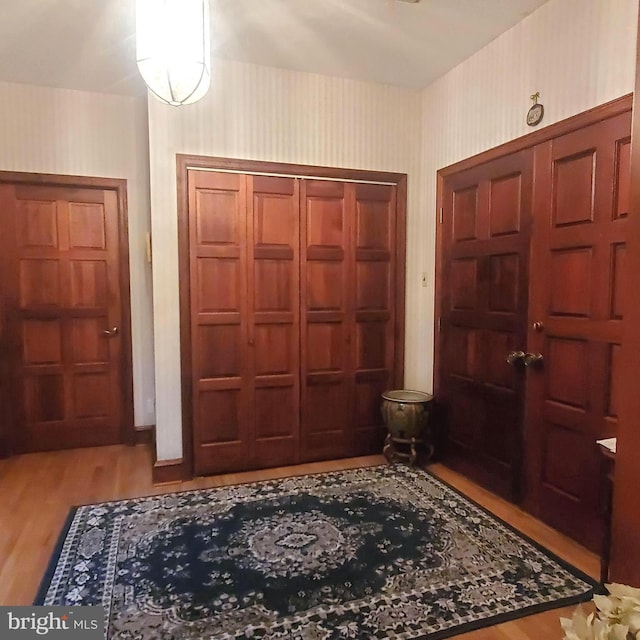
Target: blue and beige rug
381, 552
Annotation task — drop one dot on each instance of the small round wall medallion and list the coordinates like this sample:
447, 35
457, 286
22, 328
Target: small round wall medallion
536, 112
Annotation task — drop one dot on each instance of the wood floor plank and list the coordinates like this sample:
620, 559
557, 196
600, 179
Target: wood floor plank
37, 491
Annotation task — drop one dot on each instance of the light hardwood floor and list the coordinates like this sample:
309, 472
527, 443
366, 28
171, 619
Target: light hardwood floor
37, 490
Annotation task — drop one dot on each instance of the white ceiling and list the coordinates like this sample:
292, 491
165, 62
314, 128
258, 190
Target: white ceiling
90, 44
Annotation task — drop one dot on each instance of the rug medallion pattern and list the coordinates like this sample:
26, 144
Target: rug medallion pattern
382, 552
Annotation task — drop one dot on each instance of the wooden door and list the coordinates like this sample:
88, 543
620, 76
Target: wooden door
485, 234
373, 349
219, 321
348, 315
63, 316
292, 301
582, 196
243, 260
327, 319
274, 312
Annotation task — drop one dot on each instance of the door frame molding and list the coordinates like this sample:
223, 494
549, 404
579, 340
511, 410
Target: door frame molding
578, 121
184, 162
119, 186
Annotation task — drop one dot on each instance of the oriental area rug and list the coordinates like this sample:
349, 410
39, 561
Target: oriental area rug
379, 552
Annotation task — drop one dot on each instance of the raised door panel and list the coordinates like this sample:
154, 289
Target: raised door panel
506, 205
225, 227
485, 231
219, 285
504, 281
373, 342
219, 322
87, 226
327, 312
579, 249
42, 342
570, 292
322, 292
88, 345
39, 283
37, 224
463, 281
220, 418
274, 306
220, 352
573, 188
89, 284
61, 278
464, 213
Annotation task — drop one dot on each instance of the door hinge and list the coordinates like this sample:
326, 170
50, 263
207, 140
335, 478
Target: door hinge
439, 325
440, 215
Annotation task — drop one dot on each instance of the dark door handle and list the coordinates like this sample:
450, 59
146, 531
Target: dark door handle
111, 333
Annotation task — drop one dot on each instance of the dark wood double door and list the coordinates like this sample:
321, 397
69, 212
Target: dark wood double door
532, 251
291, 317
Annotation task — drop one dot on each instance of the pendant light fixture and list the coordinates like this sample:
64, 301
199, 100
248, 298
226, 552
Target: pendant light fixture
173, 49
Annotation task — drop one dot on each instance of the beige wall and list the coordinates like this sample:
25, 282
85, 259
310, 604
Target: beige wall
45, 130
261, 113
576, 53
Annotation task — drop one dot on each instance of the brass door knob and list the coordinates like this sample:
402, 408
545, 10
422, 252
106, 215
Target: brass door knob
111, 333
533, 359
515, 357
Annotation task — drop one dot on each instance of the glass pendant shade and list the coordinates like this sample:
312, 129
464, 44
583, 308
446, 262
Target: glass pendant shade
172, 48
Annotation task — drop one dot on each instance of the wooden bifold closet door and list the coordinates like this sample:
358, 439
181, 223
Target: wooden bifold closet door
244, 320
348, 320
291, 318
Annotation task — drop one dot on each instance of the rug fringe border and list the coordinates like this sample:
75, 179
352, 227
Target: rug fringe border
505, 617
45, 583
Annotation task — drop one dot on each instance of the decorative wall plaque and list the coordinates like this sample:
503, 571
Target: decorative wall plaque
536, 113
